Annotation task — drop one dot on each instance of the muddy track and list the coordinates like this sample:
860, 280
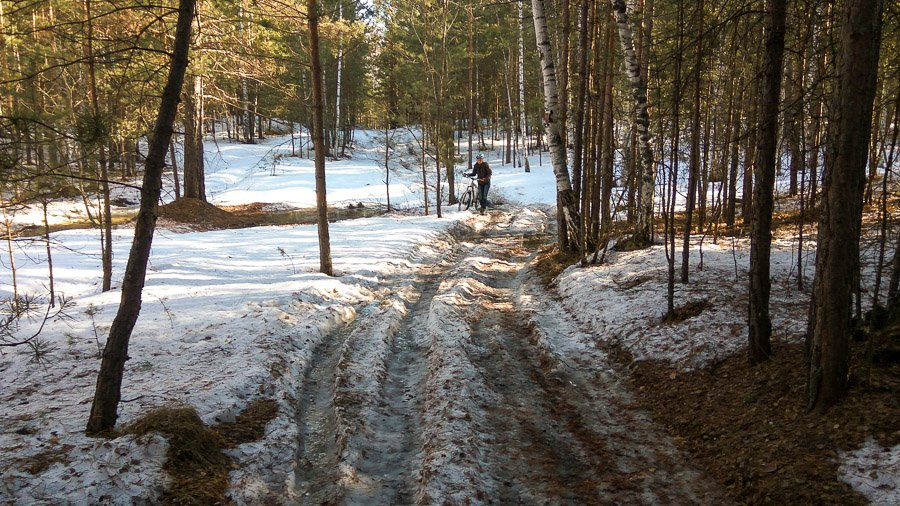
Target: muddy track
537, 436
468, 384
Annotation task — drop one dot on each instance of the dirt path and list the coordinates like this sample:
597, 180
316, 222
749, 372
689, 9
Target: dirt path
469, 384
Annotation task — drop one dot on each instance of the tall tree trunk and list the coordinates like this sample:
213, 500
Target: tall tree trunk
647, 178
565, 196
694, 174
106, 237
338, 127
674, 156
175, 178
194, 172
750, 150
734, 139
247, 116
577, 131
564, 124
318, 133
837, 255
470, 97
606, 136
760, 328
522, 126
109, 380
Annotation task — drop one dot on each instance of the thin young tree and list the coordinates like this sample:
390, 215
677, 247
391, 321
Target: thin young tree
109, 380
318, 134
694, 169
647, 177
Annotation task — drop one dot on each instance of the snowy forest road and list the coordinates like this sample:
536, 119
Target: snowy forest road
469, 384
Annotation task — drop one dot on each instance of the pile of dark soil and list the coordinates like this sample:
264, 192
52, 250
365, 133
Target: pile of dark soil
200, 215
749, 427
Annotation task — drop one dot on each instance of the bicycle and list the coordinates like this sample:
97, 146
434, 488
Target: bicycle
469, 196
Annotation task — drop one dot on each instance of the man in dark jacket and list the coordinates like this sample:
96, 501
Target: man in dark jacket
482, 171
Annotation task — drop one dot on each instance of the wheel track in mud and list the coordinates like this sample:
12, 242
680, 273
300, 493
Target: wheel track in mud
446, 391
388, 463
540, 443
359, 417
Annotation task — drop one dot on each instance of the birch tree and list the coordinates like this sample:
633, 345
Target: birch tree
566, 199
522, 127
647, 177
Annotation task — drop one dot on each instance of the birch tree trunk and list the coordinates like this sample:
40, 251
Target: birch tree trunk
338, 130
647, 177
471, 95
565, 196
522, 127
109, 380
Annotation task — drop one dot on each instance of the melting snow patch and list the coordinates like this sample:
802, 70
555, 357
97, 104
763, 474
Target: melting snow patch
873, 471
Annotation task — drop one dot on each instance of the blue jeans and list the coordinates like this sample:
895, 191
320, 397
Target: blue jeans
482, 193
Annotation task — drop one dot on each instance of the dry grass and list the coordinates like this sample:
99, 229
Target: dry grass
196, 463
551, 262
40, 462
688, 311
198, 468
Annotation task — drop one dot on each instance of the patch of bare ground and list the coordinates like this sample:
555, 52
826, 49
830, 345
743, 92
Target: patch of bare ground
749, 427
551, 262
197, 215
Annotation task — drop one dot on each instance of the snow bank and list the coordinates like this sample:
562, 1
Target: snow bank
624, 302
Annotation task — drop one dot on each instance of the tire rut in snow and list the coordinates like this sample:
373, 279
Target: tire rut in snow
542, 448
383, 444
647, 466
523, 408
316, 474
465, 384
360, 405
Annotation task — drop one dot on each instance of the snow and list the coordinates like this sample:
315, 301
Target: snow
231, 316
873, 470
625, 301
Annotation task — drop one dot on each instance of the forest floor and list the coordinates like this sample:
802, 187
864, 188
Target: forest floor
450, 360
749, 427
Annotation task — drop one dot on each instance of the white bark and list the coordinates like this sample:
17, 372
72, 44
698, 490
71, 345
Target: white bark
245, 100
566, 196
522, 135
337, 103
646, 190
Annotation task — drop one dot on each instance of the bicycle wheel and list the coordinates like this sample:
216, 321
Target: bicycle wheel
466, 200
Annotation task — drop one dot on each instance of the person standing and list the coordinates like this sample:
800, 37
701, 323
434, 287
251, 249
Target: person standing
482, 171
